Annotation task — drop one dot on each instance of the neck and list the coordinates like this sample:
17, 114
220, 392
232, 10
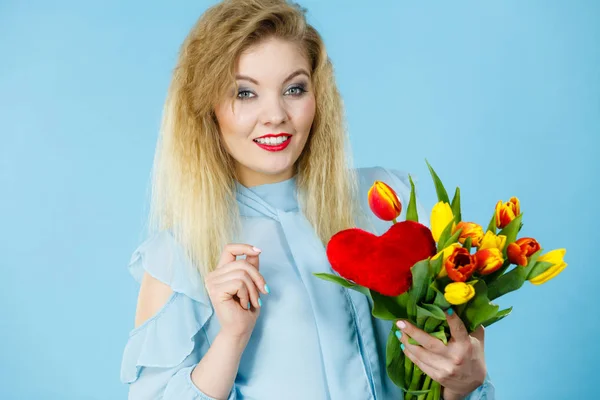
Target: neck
250, 178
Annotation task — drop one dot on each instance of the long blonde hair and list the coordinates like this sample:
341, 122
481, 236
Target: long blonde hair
193, 183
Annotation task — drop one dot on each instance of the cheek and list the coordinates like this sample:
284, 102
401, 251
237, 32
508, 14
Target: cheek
305, 114
235, 125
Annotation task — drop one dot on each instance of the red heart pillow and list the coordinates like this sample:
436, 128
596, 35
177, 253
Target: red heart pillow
381, 263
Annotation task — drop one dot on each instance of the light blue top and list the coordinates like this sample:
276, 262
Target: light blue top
313, 340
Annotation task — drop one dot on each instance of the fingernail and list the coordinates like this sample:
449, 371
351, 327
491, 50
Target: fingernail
267, 288
402, 346
450, 311
256, 249
398, 334
259, 302
248, 305
401, 324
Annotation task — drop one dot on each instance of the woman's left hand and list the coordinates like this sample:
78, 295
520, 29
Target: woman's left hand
458, 366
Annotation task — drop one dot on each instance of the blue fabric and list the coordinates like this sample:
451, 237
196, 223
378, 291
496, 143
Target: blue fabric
313, 339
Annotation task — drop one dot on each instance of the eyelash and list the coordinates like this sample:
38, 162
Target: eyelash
300, 87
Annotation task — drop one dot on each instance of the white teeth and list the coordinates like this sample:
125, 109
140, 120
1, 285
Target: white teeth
271, 141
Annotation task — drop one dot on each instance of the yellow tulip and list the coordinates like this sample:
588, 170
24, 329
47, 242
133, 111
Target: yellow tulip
492, 241
458, 292
556, 258
445, 254
441, 215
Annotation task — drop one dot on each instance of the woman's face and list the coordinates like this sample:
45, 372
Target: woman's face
273, 111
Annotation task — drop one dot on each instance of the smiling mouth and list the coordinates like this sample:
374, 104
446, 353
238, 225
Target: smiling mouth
273, 140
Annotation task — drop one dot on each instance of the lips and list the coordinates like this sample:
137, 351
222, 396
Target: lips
274, 147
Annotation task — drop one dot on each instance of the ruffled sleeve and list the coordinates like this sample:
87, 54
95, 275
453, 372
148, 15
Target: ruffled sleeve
162, 352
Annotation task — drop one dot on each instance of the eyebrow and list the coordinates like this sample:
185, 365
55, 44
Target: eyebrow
294, 74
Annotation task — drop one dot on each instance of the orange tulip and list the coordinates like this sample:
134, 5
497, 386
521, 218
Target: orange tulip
472, 230
488, 260
519, 251
384, 202
506, 212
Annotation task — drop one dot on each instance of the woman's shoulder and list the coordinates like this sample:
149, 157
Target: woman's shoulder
163, 257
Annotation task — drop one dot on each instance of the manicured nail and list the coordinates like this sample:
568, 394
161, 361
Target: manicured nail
267, 289
401, 324
248, 305
259, 302
398, 334
450, 311
256, 249
402, 346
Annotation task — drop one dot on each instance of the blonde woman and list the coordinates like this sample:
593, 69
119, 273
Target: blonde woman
251, 179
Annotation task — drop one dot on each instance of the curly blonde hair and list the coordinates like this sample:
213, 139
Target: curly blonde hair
193, 182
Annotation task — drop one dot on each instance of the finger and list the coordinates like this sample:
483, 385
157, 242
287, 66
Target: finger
253, 260
431, 343
240, 274
258, 279
479, 334
232, 250
427, 367
458, 331
232, 288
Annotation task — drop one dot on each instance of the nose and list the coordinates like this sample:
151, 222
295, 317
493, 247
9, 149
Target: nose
274, 112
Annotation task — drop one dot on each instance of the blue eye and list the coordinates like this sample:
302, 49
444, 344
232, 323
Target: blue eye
296, 91
245, 94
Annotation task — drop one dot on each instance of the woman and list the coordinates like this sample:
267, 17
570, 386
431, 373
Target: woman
250, 182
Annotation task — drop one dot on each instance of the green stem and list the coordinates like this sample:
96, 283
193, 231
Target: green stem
426, 386
416, 379
408, 368
435, 392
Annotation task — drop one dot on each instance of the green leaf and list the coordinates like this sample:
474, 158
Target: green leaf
510, 231
436, 266
411, 211
440, 335
431, 310
445, 235
479, 309
394, 360
343, 282
440, 300
492, 226
499, 315
439, 187
510, 281
389, 307
467, 244
456, 206
421, 277
539, 268
453, 238
431, 324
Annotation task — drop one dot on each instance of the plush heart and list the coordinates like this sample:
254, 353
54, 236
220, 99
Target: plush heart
381, 263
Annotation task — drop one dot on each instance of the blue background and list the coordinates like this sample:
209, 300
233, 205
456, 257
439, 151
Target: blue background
503, 98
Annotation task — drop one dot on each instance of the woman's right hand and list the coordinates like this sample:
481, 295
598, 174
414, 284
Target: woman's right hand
233, 286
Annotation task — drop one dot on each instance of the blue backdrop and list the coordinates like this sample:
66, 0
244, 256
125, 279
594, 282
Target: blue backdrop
503, 98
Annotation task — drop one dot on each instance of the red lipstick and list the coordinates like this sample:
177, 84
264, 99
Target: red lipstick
274, 147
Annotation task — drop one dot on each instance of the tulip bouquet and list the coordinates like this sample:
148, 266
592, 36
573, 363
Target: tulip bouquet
417, 273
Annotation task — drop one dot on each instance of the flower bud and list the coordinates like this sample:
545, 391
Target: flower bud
488, 260
458, 293
384, 201
491, 240
506, 212
472, 230
556, 258
519, 251
441, 215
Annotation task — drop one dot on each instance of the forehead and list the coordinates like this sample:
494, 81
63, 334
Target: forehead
272, 60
